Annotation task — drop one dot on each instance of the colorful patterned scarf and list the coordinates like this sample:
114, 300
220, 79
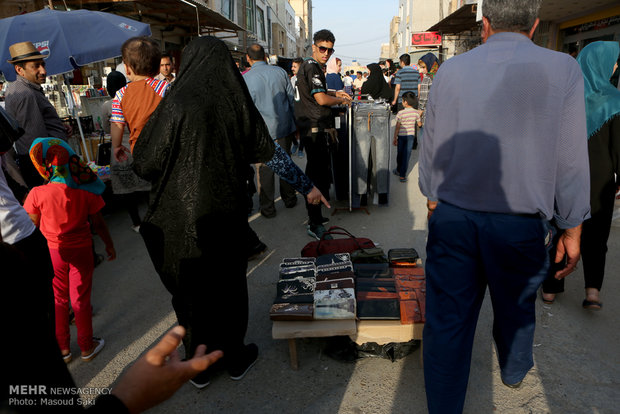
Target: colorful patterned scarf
57, 162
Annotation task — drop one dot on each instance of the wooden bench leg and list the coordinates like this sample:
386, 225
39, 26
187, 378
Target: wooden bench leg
292, 348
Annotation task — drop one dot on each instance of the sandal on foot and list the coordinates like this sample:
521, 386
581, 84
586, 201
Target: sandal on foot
549, 299
592, 304
98, 344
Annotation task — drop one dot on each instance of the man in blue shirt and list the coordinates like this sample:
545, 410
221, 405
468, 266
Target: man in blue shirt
273, 95
406, 80
503, 153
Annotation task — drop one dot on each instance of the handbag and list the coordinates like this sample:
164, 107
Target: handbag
104, 151
346, 245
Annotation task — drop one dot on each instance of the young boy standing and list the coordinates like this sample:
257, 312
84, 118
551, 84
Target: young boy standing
404, 134
134, 103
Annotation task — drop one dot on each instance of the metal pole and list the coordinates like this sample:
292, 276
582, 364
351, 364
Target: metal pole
350, 122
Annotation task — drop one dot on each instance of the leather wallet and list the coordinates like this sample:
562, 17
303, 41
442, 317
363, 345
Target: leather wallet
378, 309
334, 304
292, 311
297, 261
321, 277
371, 269
335, 268
297, 272
333, 258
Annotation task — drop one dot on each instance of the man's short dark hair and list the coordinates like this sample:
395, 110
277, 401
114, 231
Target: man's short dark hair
256, 52
411, 99
405, 58
166, 55
323, 36
359, 72
143, 55
298, 60
511, 15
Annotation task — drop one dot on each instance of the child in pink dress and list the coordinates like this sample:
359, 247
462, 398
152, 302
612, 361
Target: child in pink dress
62, 209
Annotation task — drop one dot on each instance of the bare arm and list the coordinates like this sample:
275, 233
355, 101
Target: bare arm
324, 99
396, 92
36, 219
396, 130
116, 133
102, 230
569, 244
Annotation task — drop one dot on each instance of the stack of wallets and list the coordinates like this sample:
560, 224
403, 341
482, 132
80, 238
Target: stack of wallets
334, 293
377, 298
403, 257
411, 288
295, 290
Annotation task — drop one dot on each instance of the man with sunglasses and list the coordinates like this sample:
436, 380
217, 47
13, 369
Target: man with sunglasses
314, 120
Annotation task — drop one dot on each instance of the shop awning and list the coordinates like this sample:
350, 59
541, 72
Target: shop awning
166, 13
461, 20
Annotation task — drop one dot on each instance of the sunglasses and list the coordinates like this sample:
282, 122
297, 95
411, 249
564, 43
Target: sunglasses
324, 49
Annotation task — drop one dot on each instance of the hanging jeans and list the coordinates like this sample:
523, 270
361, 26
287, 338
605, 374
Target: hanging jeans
372, 123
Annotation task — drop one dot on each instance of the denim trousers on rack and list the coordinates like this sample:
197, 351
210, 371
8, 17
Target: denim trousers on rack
371, 123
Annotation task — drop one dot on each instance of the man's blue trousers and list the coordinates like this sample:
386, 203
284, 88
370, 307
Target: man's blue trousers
466, 252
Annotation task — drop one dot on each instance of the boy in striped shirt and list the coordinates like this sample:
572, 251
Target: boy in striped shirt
404, 134
134, 103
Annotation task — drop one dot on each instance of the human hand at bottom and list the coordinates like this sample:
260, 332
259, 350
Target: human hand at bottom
316, 197
158, 374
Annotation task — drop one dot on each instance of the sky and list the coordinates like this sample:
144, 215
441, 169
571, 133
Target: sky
360, 26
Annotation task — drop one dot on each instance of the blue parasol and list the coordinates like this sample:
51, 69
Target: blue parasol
71, 38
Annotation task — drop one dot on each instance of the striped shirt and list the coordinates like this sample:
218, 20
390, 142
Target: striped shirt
425, 86
407, 119
159, 86
408, 79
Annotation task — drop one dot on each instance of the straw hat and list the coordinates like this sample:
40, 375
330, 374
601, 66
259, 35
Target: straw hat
24, 51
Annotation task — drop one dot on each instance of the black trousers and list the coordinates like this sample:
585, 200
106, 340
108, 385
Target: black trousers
318, 169
594, 236
209, 292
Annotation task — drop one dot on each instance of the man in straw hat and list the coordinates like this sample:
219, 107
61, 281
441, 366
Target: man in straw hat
27, 103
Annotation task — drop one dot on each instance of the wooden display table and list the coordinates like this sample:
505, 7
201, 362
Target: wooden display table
379, 331
292, 330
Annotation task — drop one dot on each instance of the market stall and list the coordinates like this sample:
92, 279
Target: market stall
358, 291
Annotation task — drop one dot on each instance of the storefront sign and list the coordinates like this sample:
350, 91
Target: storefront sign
595, 25
426, 39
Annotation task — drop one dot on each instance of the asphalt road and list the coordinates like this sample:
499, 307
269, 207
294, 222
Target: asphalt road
577, 358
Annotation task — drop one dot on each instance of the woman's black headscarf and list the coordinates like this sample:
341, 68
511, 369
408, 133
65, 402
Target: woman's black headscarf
114, 81
195, 151
375, 85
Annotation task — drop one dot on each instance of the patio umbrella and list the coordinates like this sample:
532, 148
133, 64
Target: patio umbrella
71, 38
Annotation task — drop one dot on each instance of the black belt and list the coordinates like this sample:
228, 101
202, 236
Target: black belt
526, 215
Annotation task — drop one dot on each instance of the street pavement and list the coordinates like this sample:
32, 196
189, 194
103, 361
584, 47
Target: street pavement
576, 352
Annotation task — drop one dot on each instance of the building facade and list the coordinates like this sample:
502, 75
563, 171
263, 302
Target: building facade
303, 12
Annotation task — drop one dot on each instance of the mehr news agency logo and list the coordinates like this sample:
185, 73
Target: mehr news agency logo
42, 395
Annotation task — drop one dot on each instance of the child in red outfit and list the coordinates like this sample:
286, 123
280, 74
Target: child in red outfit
62, 210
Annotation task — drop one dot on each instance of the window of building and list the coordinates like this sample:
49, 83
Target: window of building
228, 9
260, 22
249, 15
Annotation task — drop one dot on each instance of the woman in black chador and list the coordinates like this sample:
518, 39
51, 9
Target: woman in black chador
195, 150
